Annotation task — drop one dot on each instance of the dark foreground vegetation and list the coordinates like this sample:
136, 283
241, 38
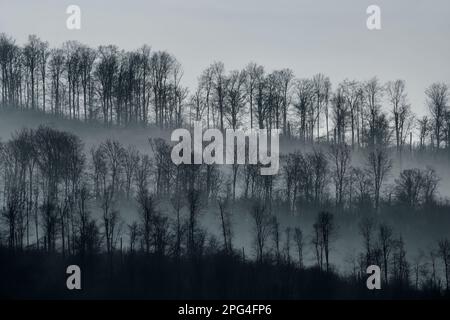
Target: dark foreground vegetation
217, 275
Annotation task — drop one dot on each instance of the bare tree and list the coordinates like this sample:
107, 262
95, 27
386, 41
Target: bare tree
293, 171
31, 55
57, 65
162, 65
219, 87
275, 226
340, 157
401, 110
206, 84
87, 59
352, 92
261, 221
133, 233
252, 72
72, 68
325, 231
163, 165
367, 229
261, 105
378, 165
225, 219
400, 266
317, 242
11, 71
424, 130
114, 155
420, 268
44, 54
340, 115
360, 186
437, 99
105, 73
287, 245
235, 97
286, 77
321, 88
198, 102
444, 253
298, 238
319, 166
372, 95
386, 243
409, 187
303, 99
130, 164
111, 222
147, 204
430, 184
193, 199
83, 219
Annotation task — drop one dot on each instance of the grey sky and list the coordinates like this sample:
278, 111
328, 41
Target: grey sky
308, 36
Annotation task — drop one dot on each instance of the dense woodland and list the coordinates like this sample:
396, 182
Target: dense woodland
60, 201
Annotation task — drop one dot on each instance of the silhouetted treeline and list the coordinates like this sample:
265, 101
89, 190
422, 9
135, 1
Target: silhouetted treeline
62, 201
112, 86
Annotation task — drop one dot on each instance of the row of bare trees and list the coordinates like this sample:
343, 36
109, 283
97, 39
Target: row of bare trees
384, 248
356, 112
104, 84
144, 86
47, 171
57, 197
308, 179
381, 246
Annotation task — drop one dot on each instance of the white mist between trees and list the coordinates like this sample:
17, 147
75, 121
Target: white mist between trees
236, 150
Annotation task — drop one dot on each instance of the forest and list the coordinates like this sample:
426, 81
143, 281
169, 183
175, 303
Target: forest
356, 163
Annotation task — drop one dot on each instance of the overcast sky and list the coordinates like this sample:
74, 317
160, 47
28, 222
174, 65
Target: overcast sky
308, 36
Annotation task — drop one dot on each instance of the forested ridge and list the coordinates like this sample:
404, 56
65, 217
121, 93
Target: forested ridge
62, 202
